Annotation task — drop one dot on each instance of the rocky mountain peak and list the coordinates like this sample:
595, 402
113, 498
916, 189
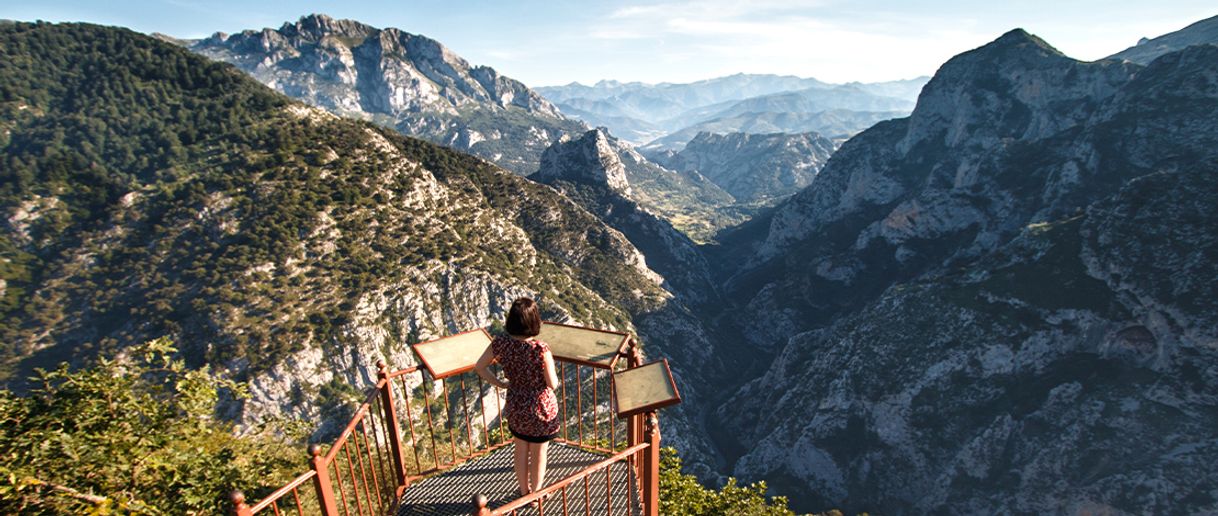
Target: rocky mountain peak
1015, 87
591, 158
314, 27
392, 71
411, 81
1019, 38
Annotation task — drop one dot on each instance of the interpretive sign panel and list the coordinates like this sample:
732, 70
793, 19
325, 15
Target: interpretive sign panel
454, 354
597, 348
644, 388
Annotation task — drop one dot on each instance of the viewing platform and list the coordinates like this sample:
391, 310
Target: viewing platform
429, 439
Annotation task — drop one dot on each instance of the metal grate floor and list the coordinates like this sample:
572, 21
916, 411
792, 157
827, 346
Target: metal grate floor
451, 492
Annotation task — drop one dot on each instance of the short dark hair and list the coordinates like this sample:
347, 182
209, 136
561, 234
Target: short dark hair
523, 319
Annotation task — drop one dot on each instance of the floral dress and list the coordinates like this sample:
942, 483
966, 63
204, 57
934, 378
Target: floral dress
532, 408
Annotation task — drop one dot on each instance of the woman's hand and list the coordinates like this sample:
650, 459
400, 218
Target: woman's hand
482, 367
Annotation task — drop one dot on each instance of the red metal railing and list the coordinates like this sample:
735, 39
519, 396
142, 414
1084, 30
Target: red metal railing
639, 461
411, 425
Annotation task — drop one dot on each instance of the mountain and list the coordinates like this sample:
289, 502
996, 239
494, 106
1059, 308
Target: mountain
754, 168
590, 170
600, 115
1001, 304
690, 202
147, 191
811, 100
907, 89
1204, 32
401, 80
839, 123
642, 100
644, 112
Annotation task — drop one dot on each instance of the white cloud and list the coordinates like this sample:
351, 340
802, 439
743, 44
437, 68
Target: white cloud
788, 38
832, 40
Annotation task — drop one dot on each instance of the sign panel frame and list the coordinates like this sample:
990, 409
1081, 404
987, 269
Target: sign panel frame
586, 360
649, 406
423, 350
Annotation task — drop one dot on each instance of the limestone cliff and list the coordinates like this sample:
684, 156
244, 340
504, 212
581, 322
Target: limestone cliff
404, 80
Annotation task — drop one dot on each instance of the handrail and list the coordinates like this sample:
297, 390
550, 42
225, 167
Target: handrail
583, 473
346, 433
281, 492
384, 446
403, 372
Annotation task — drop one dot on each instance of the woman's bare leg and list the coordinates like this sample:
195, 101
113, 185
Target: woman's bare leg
521, 465
537, 465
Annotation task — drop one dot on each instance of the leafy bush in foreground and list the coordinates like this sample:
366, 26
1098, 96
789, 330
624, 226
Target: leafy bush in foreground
130, 435
682, 494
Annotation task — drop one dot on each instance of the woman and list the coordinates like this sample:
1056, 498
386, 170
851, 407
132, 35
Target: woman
532, 408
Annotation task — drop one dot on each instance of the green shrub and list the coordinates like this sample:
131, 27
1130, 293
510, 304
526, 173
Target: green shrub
133, 435
681, 494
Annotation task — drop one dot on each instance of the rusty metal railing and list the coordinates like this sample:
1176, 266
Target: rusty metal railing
411, 425
640, 465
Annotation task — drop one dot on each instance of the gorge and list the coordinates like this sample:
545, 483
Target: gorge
1002, 302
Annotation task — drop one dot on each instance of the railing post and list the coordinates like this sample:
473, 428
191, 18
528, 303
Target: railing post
391, 419
634, 427
239, 506
321, 482
651, 467
480, 506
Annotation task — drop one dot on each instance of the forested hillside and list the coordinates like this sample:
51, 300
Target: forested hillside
149, 192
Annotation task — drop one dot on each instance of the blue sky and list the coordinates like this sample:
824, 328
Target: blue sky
547, 43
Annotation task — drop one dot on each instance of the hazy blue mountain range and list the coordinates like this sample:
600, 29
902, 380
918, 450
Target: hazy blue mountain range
680, 96
1001, 304
839, 123
644, 113
1204, 32
401, 80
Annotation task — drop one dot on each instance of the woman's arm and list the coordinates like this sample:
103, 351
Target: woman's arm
547, 363
482, 367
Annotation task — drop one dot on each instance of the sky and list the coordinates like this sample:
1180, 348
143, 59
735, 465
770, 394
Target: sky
553, 43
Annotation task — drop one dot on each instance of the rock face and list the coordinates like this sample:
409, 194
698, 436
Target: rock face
590, 170
688, 201
755, 168
1001, 304
1204, 32
405, 80
590, 160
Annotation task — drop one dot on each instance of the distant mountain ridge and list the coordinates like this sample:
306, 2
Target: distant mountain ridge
645, 113
837, 124
403, 80
682, 95
1204, 32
